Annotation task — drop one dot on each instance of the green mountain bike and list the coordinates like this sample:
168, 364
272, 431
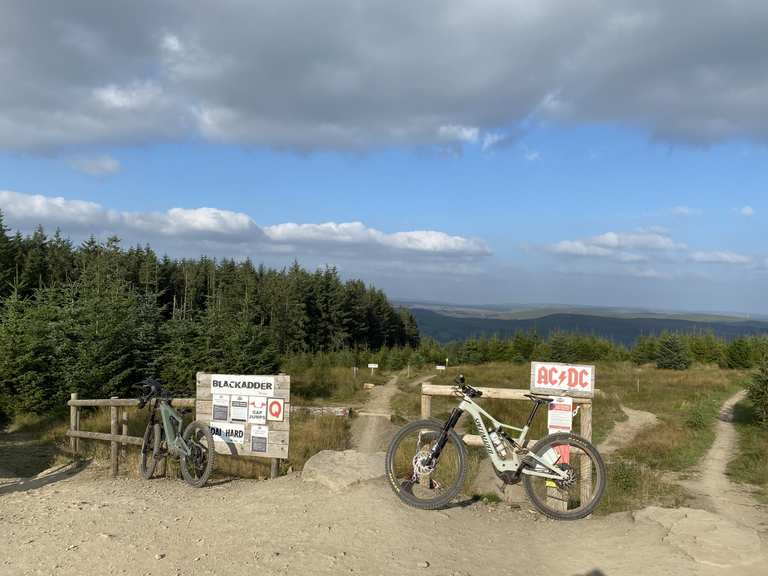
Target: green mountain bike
563, 474
194, 448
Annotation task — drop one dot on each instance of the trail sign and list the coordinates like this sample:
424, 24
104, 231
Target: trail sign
563, 379
372, 366
249, 415
439, 367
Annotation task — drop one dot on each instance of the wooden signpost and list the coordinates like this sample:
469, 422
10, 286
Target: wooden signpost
248, 415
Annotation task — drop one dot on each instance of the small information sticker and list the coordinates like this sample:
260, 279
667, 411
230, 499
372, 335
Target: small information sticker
228, 432
560, 415
257, 410
238, 408
221, 407
275, 410
259, 438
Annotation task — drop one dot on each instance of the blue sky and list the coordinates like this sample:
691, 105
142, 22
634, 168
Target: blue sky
604, 168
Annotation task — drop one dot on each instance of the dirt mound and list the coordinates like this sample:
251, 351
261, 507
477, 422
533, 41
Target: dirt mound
340, 470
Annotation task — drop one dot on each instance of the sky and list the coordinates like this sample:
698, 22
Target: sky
605, 153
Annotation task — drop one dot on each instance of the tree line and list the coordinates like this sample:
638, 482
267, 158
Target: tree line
96, 318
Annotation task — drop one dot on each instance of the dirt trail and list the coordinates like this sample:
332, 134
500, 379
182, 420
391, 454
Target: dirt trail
372, 428
711, 485
624, 432
92, 524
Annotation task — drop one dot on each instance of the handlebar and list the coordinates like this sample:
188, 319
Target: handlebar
151, 388
465, 389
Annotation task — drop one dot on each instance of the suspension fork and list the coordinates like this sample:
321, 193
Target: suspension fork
437, 449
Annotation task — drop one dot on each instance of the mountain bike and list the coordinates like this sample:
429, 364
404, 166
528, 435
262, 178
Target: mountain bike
162, 438
563, 474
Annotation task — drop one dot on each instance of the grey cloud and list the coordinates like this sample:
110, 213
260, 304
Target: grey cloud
304, 75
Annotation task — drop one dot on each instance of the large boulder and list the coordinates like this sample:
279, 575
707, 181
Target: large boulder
340, 470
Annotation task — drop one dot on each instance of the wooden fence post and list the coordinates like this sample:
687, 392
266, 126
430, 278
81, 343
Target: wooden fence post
114, 422
274, 470
426, 406
74, 424
586, 466
124, 420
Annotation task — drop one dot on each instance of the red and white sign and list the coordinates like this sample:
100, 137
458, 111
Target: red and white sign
552, 377
275, 410
560, 419
560, 415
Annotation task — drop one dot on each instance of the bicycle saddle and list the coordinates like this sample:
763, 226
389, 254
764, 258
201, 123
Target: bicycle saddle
540, 399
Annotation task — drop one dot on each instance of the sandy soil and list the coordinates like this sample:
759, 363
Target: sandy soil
712, 487
624, 432
372, 427
81, 522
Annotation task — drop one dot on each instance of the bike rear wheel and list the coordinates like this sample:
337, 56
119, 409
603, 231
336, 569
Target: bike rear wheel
150, 448
581, 492
417, 484
197, 467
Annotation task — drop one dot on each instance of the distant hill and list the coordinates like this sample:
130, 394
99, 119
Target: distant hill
457, 324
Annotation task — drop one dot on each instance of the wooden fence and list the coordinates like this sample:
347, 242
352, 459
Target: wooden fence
118, 435
585, 422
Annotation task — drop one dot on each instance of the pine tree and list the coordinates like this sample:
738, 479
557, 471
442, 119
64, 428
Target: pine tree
672, 354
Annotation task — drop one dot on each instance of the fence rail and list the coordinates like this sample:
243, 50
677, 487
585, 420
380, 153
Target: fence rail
118, 435
585, 422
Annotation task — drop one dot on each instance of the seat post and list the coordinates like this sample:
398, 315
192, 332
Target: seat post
532, 415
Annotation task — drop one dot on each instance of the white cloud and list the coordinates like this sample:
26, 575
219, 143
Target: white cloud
579, 248
236, 229
133, 97
96, 165
458, 133
531, 155
685, 211
720, 257
747, 211
644, 240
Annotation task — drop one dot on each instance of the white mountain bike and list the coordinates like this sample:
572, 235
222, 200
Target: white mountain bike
563, 474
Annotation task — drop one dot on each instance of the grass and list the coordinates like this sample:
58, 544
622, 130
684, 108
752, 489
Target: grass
750, 465
686, 403
332, 385
45, 443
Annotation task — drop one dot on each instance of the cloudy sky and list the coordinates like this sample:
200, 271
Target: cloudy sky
597, 152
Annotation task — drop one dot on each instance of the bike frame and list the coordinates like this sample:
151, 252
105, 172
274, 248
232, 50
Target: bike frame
512, 464
171, 423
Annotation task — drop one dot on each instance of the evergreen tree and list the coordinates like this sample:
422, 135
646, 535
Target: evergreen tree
672, 354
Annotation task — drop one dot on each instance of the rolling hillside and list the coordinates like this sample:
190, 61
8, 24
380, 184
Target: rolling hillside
624, 330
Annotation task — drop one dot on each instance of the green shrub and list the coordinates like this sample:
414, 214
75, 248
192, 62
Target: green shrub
757, 391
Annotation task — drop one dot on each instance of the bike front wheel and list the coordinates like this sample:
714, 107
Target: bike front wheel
198, 465
419, 483
150, 449
580, 492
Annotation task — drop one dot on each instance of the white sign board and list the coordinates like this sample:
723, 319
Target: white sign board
221, 407
560, 415
259, 439
228, 432
248, 415
257, 410
238, 408
372, 366
275, 410
439, 367
242, 385
555, 379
